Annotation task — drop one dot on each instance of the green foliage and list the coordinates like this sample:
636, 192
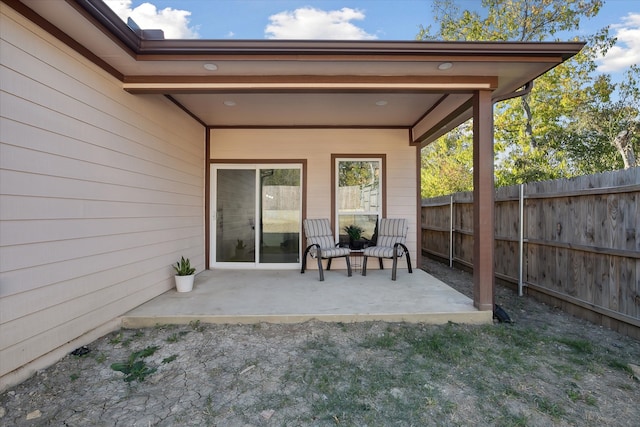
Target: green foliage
574, 121
578, 345
136, 369
183, 267
354, 231
604, 133
357, 173
175, 337
169, 359
513, 20
447, 164
196, 326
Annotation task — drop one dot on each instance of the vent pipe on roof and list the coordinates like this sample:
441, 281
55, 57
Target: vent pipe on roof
145, 34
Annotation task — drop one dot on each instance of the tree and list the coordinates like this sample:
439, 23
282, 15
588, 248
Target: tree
356, 173
509, 20
538, 136
606, 130
447, 164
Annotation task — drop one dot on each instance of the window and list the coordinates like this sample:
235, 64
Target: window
358, 191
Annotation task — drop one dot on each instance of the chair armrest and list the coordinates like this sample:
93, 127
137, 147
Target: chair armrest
404, 247
308, 250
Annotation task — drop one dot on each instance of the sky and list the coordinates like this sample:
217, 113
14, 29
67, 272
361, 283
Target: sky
345, 20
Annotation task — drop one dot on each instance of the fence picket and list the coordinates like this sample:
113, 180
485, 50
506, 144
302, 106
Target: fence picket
581, 241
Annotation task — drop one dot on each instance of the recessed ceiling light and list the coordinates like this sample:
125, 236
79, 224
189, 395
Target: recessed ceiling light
210, 67
230, 103
381, 103
445, 66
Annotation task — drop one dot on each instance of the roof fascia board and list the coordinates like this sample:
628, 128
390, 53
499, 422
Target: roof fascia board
56, 32
110, 22
101, 15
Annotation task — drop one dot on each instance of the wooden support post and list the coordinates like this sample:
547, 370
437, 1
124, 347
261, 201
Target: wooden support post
483, 201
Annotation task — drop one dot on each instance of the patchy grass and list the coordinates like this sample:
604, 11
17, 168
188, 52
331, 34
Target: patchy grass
547, 368
371, 373
410, 374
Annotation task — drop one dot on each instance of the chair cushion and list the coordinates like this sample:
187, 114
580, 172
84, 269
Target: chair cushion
335, 252
393, 227
325, 242
390, 232
318, 232
317, 227
382, 251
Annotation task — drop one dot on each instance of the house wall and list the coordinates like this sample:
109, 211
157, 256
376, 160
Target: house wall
317, 146
100, 192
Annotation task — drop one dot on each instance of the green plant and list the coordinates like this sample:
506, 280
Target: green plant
175, 337
134, 369
170, 358
354, 231
196, 326
183, 267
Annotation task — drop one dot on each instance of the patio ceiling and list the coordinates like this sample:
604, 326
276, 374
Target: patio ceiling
267, 83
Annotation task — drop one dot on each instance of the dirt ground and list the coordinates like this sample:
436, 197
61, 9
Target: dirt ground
547, 368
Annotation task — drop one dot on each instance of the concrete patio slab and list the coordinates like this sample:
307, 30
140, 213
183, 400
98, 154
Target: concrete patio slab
286, 296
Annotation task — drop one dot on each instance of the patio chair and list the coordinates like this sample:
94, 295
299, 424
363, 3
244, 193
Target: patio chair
390, 244
322, 245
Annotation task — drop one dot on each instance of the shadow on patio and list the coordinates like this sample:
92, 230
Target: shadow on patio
286, 296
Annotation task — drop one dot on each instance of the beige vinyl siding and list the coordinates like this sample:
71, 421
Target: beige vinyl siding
100, 192
317, 146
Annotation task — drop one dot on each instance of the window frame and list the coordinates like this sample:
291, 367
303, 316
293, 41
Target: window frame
335, 158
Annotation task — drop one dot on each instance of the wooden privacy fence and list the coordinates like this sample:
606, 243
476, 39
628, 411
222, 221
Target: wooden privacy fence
574, 242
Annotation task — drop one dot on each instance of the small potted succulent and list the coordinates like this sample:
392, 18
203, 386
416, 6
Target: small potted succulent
184, 275
355, 234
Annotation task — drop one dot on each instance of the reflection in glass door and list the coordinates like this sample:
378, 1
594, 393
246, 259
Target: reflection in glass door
257, 218
235, 215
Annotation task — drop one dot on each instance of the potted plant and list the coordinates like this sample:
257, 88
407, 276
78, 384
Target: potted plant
355, 233
184, 275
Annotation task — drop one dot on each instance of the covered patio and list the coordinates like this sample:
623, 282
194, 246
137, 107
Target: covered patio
124, 151
286, 296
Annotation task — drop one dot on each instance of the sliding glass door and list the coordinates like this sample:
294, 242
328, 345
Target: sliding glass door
256, 216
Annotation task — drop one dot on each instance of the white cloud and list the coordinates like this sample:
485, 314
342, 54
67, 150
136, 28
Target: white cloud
174, 22
626, 52
311, 23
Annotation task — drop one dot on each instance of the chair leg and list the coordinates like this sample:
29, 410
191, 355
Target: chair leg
409, 262
381, 263
395, 265
364, 265
304, 260
348, 265
320, 269
406, 251
329, 264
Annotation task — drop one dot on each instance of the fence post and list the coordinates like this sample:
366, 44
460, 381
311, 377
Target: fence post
451, 232
521, 241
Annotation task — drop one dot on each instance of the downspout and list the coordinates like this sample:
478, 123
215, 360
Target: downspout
524, 90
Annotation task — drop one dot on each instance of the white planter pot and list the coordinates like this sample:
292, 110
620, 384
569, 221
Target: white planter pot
184, 283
